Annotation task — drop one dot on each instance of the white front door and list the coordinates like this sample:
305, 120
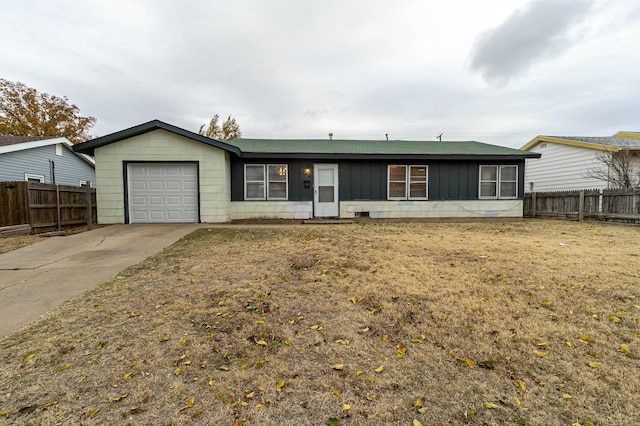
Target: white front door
325, 190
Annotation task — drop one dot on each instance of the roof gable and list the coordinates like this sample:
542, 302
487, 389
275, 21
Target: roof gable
90, 146
21, 143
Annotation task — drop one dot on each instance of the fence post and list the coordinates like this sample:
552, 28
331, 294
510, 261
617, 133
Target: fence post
89, 206
600, 201
581, 207
533, 204
58, 207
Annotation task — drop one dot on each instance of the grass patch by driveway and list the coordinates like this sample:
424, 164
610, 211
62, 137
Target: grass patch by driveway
532, 323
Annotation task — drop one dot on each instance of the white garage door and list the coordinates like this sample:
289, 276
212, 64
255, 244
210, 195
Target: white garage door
163, 192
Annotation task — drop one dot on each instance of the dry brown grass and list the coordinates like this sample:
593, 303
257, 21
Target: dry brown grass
252, 324
13, 243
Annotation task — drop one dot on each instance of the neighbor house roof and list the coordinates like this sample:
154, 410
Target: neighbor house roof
325, 148
21, 143
604, 143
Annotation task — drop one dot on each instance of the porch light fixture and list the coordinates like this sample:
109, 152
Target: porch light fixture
307, 172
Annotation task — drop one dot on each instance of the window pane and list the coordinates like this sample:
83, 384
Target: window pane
278, 190
508, 173
397, 189
397, 173
489, 173
278, 173
254, 172
418, 173
508, 189
418, 190
325, 194
325, 177
255, 190
488, 189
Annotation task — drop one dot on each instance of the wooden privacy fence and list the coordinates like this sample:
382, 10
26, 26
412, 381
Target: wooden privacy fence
618, 205
46, 207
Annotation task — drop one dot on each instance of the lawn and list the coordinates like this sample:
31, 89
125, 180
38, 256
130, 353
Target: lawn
530, 323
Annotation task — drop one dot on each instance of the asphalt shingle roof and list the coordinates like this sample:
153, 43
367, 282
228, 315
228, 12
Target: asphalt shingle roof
6, 140
369, 147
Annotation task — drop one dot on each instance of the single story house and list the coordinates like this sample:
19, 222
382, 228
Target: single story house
44, 159
566, 161
156, 172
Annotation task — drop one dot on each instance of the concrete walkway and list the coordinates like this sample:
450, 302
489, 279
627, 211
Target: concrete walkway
37, 278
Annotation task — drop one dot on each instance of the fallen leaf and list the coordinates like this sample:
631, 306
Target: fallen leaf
566, 396
30, 355
416, 422
93, 412
280, 384
338, 366
353, 300
470, 363
490, 405
358, 372
346, 407
418, 403
135, 410
541, 354
62, 367
379, 369
333, 421
595, 364
262, 343
337, 393
177, 371
5, 413
517, 402
192, 401
223, 368
401, 351
118, 398
520, 384
128, 375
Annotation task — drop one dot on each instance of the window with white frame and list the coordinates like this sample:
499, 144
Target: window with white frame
498, 182
407, 182
86, 183
266, 182
33, 178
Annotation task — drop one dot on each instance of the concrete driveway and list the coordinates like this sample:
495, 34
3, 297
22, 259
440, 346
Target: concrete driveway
37, 278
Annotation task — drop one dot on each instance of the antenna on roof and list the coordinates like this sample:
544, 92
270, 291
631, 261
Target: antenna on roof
330, 136
439, 137
386, 135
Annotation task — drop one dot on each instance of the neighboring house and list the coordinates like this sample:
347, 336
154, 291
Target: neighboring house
567, 160
46, 160
156, 172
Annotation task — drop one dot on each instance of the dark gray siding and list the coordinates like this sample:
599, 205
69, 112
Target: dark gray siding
367, 180
70, 169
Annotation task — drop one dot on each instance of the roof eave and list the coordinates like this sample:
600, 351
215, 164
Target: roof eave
426, 157
539, 139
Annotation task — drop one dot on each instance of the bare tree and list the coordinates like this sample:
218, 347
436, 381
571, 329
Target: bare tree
616, 168
227, 132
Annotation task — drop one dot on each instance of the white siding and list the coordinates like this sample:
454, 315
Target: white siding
561, 167
433, 209
160, 145
271, 210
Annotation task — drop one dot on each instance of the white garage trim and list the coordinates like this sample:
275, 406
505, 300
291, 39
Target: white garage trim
162, 192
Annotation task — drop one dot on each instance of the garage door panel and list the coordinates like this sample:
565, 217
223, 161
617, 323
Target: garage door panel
163, 192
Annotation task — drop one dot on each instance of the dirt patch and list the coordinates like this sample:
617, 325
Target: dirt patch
8, 244
518, 323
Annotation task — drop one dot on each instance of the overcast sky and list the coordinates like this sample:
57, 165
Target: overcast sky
496, 71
